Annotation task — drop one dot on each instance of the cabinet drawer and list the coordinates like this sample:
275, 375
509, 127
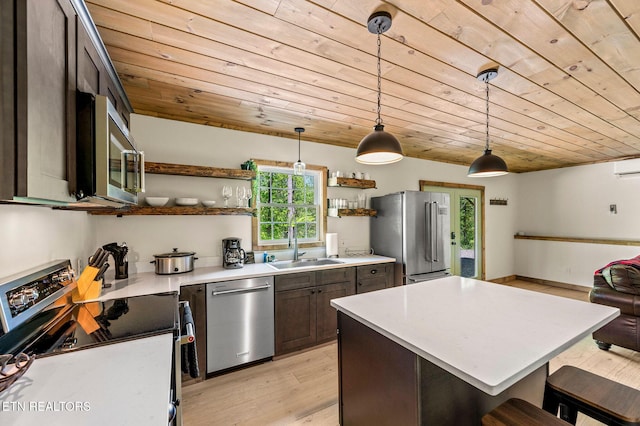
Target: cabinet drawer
371, 271
294, 281
335, 275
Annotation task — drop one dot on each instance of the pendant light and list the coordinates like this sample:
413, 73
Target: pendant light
488, 165
379, 147
299, 166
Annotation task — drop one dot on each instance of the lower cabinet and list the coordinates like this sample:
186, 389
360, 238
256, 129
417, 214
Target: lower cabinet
304, 316
374, 277
196, 296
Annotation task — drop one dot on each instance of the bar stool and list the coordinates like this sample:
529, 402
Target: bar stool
575, 390
517, 412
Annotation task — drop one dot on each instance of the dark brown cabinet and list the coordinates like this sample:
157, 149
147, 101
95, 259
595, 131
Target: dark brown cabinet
49, 49
196, 296
304, 316
374, 277
38, 86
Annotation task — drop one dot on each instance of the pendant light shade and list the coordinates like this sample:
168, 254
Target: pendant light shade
379, 147
488, 164
299, 166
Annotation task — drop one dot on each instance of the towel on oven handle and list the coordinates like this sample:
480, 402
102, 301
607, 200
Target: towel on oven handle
189, 354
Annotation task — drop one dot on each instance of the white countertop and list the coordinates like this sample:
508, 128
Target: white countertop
151, 283
487, 334
119, 384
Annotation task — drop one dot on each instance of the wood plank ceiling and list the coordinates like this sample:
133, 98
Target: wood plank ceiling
567, 92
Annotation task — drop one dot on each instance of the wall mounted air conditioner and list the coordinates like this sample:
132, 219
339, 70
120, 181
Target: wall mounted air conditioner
627, 167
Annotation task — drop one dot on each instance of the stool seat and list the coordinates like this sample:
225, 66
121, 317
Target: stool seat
517, 412
575, 390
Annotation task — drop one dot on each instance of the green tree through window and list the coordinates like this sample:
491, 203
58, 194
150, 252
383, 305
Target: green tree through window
284, 200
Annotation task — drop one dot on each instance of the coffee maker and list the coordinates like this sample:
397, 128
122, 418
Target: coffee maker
233, 256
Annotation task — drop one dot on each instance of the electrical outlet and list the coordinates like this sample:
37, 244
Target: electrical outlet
613, 209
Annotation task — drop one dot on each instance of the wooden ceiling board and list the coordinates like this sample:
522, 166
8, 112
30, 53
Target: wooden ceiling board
566, 94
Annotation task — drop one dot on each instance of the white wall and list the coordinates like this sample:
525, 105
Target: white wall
31, 236
185, 143
574, 202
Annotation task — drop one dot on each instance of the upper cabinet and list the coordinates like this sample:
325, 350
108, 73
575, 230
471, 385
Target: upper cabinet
47, 52
37, 99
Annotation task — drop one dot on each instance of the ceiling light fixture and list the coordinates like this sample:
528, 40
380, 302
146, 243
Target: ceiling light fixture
299, 166
488, 165
379, 147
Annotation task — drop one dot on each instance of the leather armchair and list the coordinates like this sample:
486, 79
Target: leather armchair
618, 285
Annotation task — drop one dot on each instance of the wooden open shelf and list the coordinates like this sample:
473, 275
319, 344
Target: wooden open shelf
354, 212
350, 183
202, 171
607, 241
174, 210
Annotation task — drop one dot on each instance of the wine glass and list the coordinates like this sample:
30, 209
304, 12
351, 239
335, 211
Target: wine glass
249, 195
227, 192
241, 194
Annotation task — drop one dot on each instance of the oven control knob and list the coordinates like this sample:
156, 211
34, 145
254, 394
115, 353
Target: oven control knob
69, 342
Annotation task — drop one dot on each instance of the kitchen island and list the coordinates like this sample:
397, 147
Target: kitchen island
448, 351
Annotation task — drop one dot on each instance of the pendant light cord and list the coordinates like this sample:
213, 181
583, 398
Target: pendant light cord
299, 147
379, 120
487, 90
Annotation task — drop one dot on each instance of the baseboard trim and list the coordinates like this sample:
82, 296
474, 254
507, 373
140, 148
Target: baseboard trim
509, 278
503, 280
555, 284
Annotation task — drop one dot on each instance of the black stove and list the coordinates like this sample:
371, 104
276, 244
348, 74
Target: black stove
60, 325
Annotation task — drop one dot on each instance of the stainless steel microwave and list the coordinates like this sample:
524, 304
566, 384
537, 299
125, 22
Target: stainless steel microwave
110, 170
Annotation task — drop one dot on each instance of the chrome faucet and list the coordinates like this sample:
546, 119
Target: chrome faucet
296, 254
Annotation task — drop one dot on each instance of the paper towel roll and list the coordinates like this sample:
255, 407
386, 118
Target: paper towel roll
332, 244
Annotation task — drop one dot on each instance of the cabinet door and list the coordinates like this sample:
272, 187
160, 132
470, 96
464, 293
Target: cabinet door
327, 324
92, 74
45, 86
295, 319
373, 277
196, 296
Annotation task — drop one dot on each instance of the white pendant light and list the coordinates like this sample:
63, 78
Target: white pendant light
379, 147
299, 166
488, 165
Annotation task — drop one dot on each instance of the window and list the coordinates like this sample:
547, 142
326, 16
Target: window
284, 200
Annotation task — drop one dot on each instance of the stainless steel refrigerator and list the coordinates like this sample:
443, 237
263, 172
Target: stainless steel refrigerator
414, 228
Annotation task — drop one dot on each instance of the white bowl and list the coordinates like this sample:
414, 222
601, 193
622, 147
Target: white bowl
186, 201
208, 203
157, 201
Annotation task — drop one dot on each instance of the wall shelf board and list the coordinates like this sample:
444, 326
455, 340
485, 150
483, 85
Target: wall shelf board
201, 171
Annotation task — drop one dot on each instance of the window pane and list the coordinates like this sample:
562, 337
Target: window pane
265, 214
280, 231
312, 231
279, 180
265, 231
279, 196
264, 195
280, 214
265, 179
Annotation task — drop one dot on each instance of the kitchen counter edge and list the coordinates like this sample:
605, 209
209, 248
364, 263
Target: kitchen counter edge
151, 283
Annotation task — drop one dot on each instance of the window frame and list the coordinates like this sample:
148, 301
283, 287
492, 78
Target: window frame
322, 195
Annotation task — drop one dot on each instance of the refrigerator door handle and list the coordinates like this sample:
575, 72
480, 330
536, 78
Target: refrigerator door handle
427, 232
431, 231
434, 230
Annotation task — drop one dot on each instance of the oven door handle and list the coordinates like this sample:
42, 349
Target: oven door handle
189, 335
240, 290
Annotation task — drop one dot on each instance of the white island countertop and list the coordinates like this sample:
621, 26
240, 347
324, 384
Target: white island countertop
119, 384
488, 335
152, 283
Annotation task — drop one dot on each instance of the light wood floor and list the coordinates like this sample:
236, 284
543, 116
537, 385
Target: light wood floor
302, 389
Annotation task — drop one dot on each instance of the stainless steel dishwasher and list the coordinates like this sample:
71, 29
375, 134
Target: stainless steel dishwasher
240, 322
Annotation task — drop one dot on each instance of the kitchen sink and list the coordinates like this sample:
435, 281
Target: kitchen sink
303, 263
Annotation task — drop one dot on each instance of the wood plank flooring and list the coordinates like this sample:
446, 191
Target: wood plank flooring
302, 389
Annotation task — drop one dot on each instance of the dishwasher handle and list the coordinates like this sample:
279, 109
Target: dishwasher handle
240, 290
